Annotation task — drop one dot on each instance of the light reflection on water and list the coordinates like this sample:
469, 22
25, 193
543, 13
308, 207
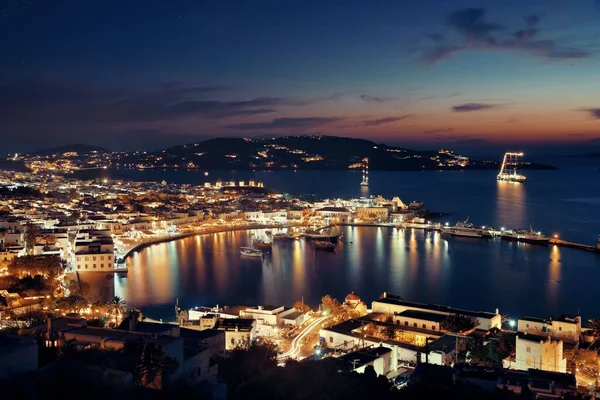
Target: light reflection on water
421, 266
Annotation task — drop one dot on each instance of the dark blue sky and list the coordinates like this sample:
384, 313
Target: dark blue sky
473, 75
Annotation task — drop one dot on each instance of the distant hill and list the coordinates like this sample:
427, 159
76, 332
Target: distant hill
78, 148
302, 153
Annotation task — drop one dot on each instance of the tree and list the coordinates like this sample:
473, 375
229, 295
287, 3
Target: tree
301, 307
595, 326
458, 323
389, 331
586, 362
116, 307
72, 304
32, 232
245, 363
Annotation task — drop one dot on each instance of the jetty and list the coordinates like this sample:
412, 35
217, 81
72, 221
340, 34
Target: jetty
586, 247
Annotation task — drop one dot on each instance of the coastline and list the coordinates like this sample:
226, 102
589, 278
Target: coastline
174, 237
178, 236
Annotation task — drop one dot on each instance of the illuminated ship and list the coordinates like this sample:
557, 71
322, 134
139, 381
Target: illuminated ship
508, 170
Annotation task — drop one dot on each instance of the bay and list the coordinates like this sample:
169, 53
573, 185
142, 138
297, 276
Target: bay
477, 274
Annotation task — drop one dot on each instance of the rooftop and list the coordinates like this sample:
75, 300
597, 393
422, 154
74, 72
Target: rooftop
241, 324
424, 315
434, 307
531, 337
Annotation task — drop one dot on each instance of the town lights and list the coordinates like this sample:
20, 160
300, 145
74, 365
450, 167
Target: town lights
512, 323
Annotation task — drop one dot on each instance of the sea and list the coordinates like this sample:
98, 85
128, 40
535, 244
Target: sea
480, 274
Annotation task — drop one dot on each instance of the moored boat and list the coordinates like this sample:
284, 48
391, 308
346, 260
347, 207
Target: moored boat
525, 236
283, 236
466, 229
324, 245
262, 245
324, 235
251, 252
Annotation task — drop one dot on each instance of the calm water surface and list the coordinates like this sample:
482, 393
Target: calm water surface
519, 279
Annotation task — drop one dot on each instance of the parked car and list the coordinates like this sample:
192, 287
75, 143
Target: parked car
401, 380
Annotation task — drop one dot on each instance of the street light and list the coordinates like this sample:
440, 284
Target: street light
512, 323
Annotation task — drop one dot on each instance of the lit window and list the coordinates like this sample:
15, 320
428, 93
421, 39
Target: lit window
528, 361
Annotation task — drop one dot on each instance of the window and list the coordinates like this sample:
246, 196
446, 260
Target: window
109, 258
78, 266
94, 258
94, 265
330, 339
527, 325
78, 258
102, 265
560, 328
433, 327
101, 258
405, 323
424, 326
528, 361
414, 324
87, 259
528, 349
345, 343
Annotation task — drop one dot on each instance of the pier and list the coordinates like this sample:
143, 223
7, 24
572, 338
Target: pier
586, 247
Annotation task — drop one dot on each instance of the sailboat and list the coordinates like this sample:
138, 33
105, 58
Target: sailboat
508, 170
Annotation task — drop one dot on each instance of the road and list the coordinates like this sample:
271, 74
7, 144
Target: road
296, 346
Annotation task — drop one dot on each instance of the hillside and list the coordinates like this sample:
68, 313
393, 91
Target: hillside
78, 148
304, 153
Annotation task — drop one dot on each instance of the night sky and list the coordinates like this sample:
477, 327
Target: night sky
472, 75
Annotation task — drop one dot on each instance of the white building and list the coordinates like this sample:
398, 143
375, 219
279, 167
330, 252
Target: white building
565, 327
373, 213
382, 359
537, 352
268, 318
238, 331
395, 305
337, 214
94, 251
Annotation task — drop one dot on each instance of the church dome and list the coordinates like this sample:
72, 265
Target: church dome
353, 297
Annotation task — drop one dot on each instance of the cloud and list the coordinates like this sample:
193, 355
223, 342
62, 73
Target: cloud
287, 123
438, 130
594, 113
383, 121
473, 107
375, 99
471, 23
479, 34
447, 96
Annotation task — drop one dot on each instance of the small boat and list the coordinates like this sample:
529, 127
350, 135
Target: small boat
525, 236
262, 245
250, 252
283, 236
325, 235
324, 245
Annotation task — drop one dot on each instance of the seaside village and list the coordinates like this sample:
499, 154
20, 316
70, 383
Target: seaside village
56, 231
